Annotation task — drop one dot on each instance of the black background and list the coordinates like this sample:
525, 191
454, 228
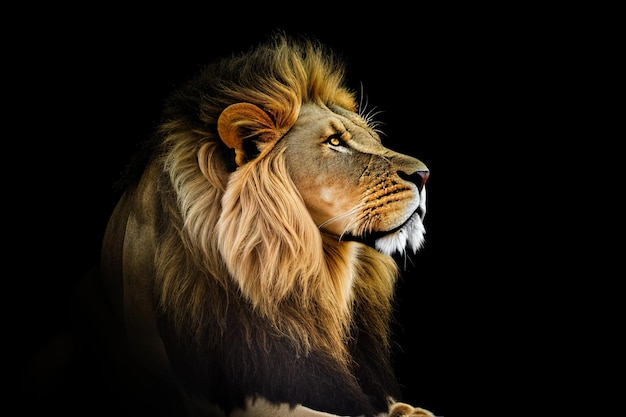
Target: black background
449, 84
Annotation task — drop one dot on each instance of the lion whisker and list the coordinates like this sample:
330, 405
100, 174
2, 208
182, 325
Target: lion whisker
368, 115
339, 216
379, 131
406, 258
363, 96
369, 118
345, 230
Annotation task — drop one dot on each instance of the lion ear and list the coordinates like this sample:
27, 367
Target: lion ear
242, 122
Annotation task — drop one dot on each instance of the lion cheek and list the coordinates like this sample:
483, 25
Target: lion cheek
327, 195
329, 208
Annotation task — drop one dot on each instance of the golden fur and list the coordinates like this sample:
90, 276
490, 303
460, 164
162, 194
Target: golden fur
230, 235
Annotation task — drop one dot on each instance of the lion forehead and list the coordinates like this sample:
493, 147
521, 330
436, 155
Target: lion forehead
326, 148
316, 124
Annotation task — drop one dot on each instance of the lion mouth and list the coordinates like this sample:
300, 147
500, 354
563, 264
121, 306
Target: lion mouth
407, 236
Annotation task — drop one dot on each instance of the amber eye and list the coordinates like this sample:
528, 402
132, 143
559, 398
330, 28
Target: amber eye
334, 140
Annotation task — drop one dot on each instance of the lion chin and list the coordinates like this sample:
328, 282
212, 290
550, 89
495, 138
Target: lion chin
410, 235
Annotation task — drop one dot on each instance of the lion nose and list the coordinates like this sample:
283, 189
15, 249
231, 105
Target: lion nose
424, 176
420, 178
411, 169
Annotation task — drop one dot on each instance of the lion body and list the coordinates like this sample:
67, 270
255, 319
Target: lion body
239, 259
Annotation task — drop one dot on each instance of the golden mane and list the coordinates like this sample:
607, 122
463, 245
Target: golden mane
300, 280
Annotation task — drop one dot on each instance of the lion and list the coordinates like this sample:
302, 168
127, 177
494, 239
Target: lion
252, 258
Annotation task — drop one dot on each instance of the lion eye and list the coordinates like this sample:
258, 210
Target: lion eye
337, 144
334, 141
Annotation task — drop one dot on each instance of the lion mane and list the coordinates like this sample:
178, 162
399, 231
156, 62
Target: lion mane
217, 265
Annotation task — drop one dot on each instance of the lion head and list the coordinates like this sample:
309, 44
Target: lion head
262, 228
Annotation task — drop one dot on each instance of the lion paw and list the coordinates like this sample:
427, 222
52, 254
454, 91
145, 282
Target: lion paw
405, 410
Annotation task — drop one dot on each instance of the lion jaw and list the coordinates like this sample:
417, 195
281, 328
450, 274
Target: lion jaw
410, 235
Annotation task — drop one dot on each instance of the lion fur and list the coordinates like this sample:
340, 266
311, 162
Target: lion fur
236, 280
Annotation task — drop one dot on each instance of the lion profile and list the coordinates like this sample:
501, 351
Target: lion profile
251, 258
